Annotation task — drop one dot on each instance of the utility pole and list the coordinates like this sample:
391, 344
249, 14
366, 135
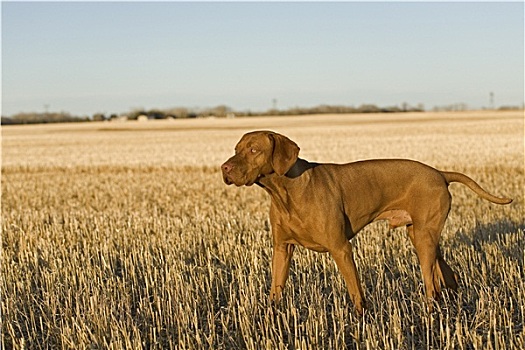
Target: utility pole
492, 106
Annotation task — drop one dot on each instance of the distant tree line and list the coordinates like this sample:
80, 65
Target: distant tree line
42, 118
222, 111
330, 109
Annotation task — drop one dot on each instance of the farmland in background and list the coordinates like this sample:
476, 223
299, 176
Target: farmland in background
123, 235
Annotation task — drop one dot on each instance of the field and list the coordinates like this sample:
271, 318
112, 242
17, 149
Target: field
123, 236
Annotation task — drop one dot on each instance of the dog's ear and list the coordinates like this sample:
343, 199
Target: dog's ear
285, 153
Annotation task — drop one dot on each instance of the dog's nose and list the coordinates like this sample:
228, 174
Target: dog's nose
226, 167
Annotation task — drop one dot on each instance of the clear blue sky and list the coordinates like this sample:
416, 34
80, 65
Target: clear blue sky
106, 57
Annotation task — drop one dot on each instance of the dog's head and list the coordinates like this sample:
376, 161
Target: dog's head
257, 154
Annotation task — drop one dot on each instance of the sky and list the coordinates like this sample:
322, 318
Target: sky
112, 57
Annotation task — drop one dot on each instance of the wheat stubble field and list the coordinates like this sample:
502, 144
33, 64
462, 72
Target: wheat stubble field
123, 236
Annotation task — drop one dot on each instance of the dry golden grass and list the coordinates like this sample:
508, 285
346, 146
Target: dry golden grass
124, 236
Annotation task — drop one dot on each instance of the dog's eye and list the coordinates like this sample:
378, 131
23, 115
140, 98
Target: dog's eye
253, 150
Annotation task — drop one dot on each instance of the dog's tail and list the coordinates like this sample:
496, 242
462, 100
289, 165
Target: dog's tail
467, 181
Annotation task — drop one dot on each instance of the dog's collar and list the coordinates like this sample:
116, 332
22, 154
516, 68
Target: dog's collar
299, 167
295, 170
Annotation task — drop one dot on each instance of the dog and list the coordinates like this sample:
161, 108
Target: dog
323, 206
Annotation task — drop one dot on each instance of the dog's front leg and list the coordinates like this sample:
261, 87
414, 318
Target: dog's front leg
282, 256
345, 262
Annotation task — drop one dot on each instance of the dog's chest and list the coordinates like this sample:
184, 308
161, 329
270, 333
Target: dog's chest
305, 228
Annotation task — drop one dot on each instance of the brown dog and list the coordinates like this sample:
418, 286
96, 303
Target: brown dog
322, 206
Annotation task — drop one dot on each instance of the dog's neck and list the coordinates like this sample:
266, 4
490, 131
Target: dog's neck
275, 184
299, 167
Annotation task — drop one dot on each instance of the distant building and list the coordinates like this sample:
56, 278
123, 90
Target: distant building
120, 119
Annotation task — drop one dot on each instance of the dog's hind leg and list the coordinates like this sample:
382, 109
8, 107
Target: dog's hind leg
425, 238
446, 275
